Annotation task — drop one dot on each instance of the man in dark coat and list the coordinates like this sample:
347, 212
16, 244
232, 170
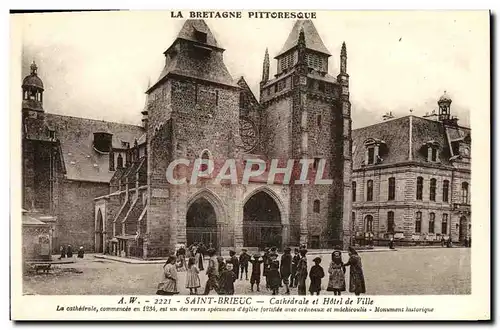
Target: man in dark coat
244, 259
235, 262
302, 272
295, 262
286, 268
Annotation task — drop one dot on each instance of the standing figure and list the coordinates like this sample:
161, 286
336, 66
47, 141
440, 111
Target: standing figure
198, 259
192, 277
302, 272
244, 259
357, 279
169, 285
267, 265
212, 273
295, 262
336, 281
181, 258
255, 277
81, 252
226, 281
316, 274
391, 243
63, 252
273, 276
69, 252
235, 262
286, 268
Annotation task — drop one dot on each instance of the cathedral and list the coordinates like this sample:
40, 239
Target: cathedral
107, 187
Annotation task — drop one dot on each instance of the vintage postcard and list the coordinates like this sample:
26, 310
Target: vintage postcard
250, 165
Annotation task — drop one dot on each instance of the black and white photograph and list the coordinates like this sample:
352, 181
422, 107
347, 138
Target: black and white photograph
320, 157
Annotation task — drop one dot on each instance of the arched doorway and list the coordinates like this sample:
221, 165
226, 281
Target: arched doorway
99, 232
462, 229
262, 222
369, 223
201, 223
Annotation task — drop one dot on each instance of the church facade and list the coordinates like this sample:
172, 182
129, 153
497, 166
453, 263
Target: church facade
196, 110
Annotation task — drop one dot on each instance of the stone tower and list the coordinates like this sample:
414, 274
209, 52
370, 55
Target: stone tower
309, 112
193, 112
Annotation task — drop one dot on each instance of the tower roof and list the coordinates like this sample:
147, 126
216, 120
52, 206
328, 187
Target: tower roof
32, 79
192, 27
313, 40
445, 98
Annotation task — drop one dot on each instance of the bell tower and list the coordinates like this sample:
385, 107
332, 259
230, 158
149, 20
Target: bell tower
444, 107
33, 91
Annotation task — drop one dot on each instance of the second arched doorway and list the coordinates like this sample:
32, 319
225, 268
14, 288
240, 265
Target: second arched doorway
99, 232
262, 226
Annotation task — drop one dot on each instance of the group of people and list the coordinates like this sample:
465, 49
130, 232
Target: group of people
291, 271
67, 252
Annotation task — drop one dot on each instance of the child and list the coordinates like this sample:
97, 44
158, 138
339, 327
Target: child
316, 274
244, 259
273, 277
255, 277
192, 277
235, 262
302, 272
227, 278
267, 264
295, 262
336, 282
286, 268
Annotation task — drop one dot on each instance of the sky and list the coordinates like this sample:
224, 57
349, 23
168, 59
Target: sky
98, 65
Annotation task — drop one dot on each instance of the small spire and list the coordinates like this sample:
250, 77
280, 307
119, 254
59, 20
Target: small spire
265, 67
34, 68
343, 51
302, 38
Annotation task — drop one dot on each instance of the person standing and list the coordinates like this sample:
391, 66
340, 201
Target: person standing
273, 276
63, 252
192, 277
302, 272
212, 272
69, 252
198, 258
244, 259
295, 262
357, 279
181, 258
169, 285
336, 281
81, 252
286, 268
235, 262
255, 277
267, 265
227, 278
316, 275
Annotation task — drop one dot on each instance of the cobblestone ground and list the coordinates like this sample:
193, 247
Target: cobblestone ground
403, 272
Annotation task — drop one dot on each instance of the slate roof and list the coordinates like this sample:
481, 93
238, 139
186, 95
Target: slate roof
396, 135
313, 40
210, 68
83, 162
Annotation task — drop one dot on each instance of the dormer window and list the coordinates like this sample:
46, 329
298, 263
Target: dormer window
432, 149
374, 149
102, 142
201, 36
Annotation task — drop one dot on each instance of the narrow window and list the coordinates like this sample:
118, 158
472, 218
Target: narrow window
369, 223
318, 120
432, 190
369, 191
195, 93
418, 222
420, 187
316, 163
392, 189
444, 224
432, 218
465, 193
353, 219
434, 154
316, 206
371, 155
354, 191
390, 222
216, 98
205, 156
119, 161
446, 187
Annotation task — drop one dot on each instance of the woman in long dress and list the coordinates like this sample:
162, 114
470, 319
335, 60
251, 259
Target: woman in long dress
336, 281
357, 279
169, 285
198, 259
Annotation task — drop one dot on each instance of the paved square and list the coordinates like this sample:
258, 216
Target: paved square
424, 271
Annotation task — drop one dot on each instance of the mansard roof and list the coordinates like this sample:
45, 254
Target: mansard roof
396, 135
82, 161
313, 40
